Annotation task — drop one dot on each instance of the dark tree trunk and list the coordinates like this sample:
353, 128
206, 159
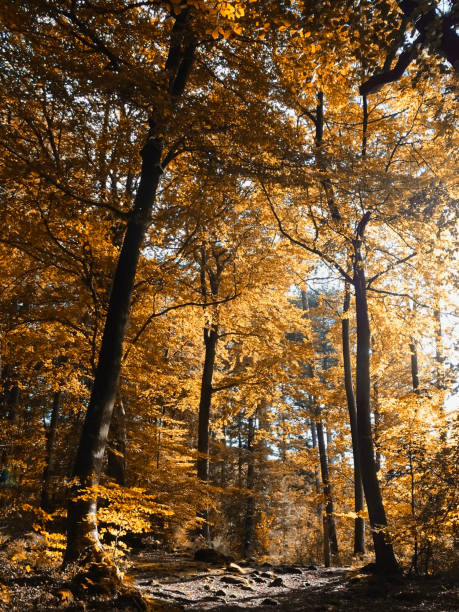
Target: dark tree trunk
239, 453
385, 558
159, 426
314, 445
415, 386
51, 435
249, 530
320, 157
116, 450
330, 537
414, 366
377, 427
325, 538
82, 526
439, 357
223, 461
14, 395
81, 519
359, 523
210, 343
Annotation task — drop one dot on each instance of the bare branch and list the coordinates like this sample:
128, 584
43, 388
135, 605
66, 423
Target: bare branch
390, 267
302, 244
154, 315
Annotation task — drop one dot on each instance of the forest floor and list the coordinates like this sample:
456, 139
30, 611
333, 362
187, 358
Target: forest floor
171, 582
189, 586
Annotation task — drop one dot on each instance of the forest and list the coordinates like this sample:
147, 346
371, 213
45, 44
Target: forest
228, 303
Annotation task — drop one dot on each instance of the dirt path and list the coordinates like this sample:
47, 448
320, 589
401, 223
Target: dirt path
181, 583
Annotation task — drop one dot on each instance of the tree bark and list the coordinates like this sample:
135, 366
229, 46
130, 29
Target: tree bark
330, 536
81, 519
210, 343
325, 539
359, 522
314, 445
249, 527
223, 461
415, 387
385, 558
239, 453
14, 395
414, 366
439, 357
116, 451
318, 118
377, 426
51, 435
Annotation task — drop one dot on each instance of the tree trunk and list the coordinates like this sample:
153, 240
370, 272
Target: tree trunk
249, 527
82, 526
223, 461
330, 537
116, 451
385, 558
320, 158
14, 395
439, 357
359, 522
414, 366
314, 445
415, 386
377, 426
81, 519
325, 540
210, 343
159, 426
51, 435
239, 453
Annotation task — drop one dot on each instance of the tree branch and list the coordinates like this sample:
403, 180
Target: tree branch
302, 244
391, 267
175, 307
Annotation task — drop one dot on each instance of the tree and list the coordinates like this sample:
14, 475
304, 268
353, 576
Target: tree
328, 239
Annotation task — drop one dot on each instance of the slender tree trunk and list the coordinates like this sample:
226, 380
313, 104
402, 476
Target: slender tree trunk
325, 539
223, 461
439, 356
359, 522
385, 558
210, 343
81, 519
414, 366
239, 453
329, 525
320, 157
283, 440
314, 445
14, 395
414, 560
415, 385
51, 435
249, 527
377, 426
116, 451
159, 425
